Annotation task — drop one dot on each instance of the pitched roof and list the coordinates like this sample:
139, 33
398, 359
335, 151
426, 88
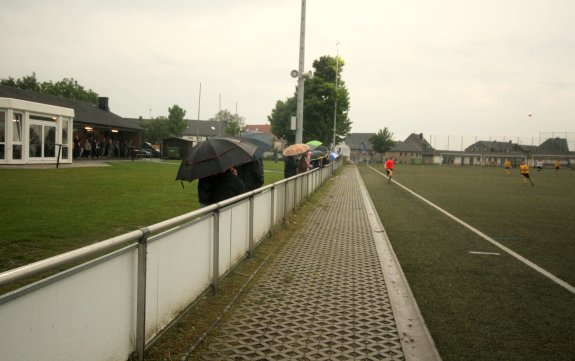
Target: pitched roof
419, 141
553, 146
494, 147
262, 128
354, 140
85, 112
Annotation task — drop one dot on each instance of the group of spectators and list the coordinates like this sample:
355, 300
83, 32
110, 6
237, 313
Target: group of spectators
294, 165
104, 147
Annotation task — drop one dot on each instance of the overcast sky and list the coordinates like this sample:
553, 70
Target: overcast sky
437, 67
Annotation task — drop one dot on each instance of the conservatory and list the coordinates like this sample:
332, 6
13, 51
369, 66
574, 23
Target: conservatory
34, 133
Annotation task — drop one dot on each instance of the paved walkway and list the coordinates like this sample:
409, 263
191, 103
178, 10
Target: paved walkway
335, 292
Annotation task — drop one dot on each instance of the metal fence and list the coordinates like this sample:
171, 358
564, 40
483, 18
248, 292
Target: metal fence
110, 307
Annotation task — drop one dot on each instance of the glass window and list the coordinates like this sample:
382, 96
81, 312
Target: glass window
49, 141
2, 134
17, 128
17, 136
65, 139
35, 141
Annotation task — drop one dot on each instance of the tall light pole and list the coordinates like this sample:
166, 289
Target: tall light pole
198, 123
301, 79
335, 103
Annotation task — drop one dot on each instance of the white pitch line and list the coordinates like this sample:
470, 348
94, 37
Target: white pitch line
486, 253
519, 257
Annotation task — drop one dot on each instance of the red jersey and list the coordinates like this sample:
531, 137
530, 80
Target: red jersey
389, 164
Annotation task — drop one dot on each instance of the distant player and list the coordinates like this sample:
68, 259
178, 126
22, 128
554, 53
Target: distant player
524, 170
507, 166
389, 169
539, 165
557, 166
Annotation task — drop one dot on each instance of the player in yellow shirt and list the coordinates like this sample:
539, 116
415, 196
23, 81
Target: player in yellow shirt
507, 166
524, 170
557, 166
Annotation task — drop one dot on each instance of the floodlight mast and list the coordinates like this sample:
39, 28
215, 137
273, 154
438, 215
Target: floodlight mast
301, 78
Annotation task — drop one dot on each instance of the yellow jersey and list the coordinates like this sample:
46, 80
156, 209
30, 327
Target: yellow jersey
524, 169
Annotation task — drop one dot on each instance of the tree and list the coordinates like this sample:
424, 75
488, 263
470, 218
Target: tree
176, 122
156, 130
69, 88
382, 141
280, 119
234, 123
320, 95
66, 88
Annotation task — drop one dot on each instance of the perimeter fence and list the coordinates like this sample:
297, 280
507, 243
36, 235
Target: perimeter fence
463, 142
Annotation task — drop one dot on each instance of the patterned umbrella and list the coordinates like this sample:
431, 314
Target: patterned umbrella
295, 149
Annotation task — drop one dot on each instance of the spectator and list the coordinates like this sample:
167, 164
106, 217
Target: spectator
206, 189
252, 174
290, 167
304, 162
227, 185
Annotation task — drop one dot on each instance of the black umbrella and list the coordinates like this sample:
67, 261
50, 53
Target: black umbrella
261, 140
213, 156
319, 152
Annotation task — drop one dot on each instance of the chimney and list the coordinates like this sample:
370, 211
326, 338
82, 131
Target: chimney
103, 103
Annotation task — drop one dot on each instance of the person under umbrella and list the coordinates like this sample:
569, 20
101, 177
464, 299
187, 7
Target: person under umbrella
252, 173
290, 166
212, 162
304, 163
228, 185
290, 153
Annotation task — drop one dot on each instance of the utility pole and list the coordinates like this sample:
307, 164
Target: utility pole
198, 124
301, 79
335, 104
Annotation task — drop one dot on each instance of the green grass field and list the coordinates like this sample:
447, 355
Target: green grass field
485, 306
45, 212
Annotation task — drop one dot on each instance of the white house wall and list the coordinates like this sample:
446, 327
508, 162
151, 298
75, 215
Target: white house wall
62, 117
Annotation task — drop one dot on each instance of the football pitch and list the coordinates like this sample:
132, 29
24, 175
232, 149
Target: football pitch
490, 261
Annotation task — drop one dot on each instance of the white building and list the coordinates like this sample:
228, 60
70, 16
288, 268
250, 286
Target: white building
34, 133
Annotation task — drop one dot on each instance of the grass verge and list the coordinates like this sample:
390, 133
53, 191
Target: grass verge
46, 212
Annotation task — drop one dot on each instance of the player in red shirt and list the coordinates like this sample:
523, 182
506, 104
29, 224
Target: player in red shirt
389, 169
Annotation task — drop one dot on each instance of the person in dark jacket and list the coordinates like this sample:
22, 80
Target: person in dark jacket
290, 167
252, 174
227, 185
206, 189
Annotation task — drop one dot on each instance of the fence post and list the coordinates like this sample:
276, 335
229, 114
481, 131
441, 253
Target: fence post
285, 201
251, 229
273, 209
141, 294
216, 259
295, 192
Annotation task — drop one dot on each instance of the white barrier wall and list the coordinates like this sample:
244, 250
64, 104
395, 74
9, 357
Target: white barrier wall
179, 270
83, 314
90, 312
